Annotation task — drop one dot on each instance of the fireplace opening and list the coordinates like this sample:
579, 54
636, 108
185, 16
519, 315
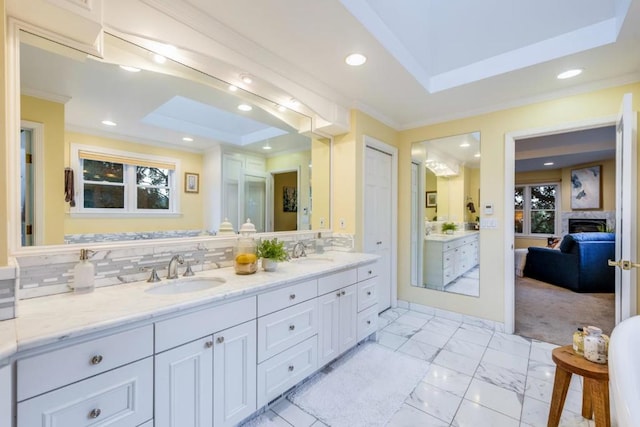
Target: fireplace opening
582, 225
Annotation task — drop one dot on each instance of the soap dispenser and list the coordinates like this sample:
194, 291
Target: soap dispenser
83, 274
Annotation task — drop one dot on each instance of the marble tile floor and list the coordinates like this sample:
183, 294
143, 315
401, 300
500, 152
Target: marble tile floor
477, 378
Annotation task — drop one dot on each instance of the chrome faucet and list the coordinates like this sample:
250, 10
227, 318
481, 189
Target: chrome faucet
298, 250
172, 270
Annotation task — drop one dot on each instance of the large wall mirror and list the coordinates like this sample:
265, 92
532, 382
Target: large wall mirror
446, 214
136, 146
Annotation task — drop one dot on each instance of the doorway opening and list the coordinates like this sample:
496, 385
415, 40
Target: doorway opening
285, 200
541, 188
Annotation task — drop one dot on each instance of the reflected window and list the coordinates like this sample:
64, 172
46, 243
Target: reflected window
536, 209
116, 181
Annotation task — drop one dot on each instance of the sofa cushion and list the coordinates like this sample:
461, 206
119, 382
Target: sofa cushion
570, 239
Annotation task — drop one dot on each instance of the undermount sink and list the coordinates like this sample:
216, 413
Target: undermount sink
181, 286
312, 259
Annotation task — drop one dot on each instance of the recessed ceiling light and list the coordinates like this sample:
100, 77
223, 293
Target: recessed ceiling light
233, 88
266, 146
130, 69
282, 108
476, 155
245, 107
109, 123
159, 59
548, 164
465, 145
187, 139
570, 73
246, 78
355, 59
293, 102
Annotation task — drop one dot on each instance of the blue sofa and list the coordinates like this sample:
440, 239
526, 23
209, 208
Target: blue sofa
579, 265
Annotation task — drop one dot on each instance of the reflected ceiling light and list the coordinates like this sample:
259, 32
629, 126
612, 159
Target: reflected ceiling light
476, 155
355, 59
159, 59
130, 69
282, 108
233, 88
293, 102
109, 123
245, 107
187, 139
465, 145
570, 73
548, 164
246, 78
266, 146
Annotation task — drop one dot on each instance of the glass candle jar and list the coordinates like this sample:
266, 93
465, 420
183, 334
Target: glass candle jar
244, 252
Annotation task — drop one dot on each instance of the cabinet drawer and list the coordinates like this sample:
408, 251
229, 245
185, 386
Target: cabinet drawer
448, 274
285, 328
336, 281
368, 271
286, 297
448, 258
367, 322
188, 327
367, 293
286, 369
44, 372
121, 397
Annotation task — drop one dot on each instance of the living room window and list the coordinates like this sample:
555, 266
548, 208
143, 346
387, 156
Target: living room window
537, 209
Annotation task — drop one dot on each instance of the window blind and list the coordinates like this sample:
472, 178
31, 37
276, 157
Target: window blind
129, 160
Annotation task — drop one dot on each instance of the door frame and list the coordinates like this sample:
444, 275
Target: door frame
37, 148
271, 189
393, 152
509, 183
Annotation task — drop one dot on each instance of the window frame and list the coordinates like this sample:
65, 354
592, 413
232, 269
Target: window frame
526, 211
129, 182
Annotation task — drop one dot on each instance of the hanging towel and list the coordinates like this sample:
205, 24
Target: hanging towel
68, 187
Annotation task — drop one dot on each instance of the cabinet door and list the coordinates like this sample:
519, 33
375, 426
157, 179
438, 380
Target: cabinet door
348, 317
184, 385
234, 374
6, 395
328, 327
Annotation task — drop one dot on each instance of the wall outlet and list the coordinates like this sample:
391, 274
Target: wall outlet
321, 222
343, 223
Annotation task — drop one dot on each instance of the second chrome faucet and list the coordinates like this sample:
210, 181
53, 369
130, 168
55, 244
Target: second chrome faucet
172, 270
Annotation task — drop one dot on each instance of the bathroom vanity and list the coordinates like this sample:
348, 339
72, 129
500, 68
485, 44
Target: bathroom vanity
125, 356
449, 256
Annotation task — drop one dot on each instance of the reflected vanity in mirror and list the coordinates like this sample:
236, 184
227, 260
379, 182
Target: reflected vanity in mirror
446, 214
136, 146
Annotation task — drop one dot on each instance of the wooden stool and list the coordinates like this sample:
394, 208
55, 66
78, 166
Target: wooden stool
595, 393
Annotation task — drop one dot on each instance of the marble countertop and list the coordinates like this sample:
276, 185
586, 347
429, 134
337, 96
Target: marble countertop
60, 317
449, 237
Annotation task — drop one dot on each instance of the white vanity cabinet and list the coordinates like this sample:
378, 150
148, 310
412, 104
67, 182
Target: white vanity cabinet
6, 396
337, 314
446, 259
213, 377
106, 381
367, 320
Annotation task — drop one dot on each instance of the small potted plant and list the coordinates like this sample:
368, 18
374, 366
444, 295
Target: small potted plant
449, 227
271, 251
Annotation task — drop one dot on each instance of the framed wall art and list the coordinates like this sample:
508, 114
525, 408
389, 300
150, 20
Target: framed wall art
432, 199
586, 188
191, 182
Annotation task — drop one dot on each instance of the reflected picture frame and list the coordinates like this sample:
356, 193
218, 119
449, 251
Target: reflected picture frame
191, 182
432, 199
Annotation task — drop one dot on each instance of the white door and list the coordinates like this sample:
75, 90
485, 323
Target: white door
184, 385
328, 327
234, 374
626, 219
348, 321
377, 218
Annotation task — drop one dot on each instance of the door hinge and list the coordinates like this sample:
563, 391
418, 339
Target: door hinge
28, 158
28, 229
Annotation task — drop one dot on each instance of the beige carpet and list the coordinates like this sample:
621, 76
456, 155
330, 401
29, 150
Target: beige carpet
550, 313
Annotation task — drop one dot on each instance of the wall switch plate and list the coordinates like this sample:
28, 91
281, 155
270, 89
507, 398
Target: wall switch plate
343, 223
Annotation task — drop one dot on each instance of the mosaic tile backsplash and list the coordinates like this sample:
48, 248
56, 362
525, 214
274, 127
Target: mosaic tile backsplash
42, 275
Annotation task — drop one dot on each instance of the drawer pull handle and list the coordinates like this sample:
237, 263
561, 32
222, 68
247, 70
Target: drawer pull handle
368, 293
208, 344
220, 340
291, 368
338, 293
368, 322
343, 292
292, 327
292, 296
95, 360
95, 413
370, 272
